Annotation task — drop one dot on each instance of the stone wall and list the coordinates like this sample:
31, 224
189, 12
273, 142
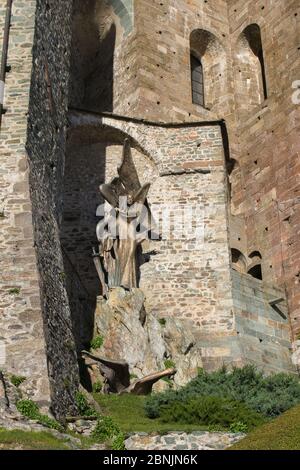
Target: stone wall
263, 329
175, 441
35, 320
263, 133
140, 61
185, 278
21, 326
46, 149
102, 38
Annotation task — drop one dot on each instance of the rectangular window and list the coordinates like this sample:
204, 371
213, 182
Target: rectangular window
197, 81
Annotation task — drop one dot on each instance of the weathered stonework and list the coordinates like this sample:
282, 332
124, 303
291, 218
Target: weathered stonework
176, 441
36, 322
133, 59
21, 325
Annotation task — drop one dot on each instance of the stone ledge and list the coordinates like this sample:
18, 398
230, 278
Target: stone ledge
198, 440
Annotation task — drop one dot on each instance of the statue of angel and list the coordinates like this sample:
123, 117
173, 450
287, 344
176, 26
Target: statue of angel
124, 227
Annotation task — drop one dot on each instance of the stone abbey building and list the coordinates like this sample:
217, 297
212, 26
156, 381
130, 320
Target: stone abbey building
207, 92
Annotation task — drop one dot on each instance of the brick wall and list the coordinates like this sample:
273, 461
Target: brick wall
263, 134
185, 278
266, 145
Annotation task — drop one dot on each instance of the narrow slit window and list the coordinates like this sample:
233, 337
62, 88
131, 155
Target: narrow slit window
197, 81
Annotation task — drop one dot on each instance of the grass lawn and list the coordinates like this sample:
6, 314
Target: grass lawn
282, 433
128, 412
25, 440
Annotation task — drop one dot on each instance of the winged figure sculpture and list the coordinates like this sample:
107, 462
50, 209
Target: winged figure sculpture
119, 233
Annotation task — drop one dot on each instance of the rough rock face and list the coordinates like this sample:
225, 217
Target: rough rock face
132, 335
181, 346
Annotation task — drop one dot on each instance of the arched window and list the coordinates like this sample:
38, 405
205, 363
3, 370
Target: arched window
209, 71
250, 73
239, 262
256, 272
197, 81
253, 36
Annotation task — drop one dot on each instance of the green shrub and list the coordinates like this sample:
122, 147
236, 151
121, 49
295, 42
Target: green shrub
169, 364
105, 429
269, 396
14, 291
133, 377
30, 410
97, 342
97, 387
210, 410
118, 442
84, 409
17, 380
238, 426
162, 321
168, 381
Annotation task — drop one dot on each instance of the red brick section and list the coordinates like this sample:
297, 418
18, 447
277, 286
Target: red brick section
268, 148
263, 134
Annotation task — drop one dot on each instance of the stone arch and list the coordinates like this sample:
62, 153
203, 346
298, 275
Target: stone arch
255, 254
255, 265
98, 29
239, 261
124, 10
92, 128
208, 49
92, 156
256, 272
249, 67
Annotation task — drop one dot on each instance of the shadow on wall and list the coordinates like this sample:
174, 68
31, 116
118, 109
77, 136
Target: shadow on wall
92, 158
92, 58
250, 75
84, 172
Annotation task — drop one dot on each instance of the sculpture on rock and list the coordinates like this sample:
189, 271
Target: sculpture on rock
117, 378
124, 226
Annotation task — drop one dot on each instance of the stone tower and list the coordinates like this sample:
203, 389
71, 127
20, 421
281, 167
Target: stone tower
206, 91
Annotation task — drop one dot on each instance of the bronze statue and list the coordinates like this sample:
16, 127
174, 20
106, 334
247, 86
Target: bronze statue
120, 232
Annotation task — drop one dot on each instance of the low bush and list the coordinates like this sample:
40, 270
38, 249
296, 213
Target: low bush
107, 430
210, 411
30, 410
97, 342
238, 426
169, 364
118, 442
269, 396
84, 409
97, 387
17, 380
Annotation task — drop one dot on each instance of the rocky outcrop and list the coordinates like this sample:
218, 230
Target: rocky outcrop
146, 344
